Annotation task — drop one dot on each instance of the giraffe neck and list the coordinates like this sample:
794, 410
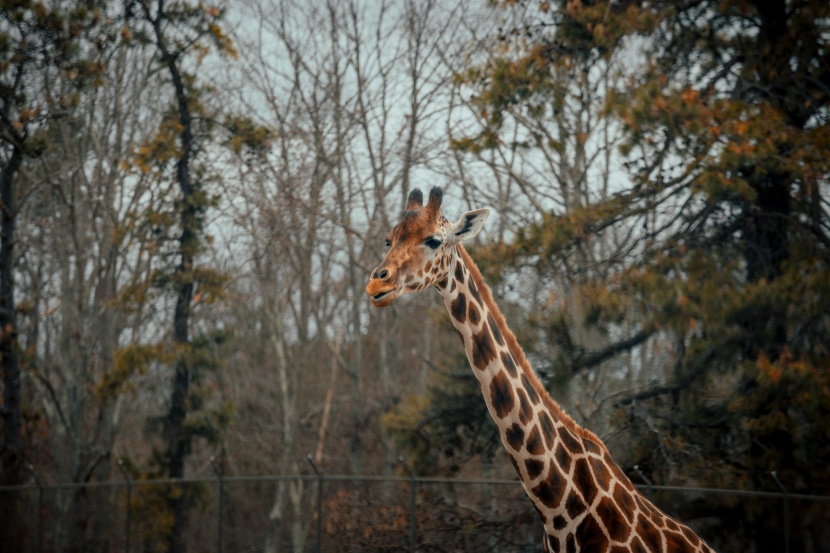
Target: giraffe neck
540, 438
582, 496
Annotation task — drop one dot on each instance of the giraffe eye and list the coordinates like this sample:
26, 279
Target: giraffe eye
432, 243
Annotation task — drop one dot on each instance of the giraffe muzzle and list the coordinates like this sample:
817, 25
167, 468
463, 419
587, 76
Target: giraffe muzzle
381, 292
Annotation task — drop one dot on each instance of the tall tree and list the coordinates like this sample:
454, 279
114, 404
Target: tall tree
180, 34
47, 54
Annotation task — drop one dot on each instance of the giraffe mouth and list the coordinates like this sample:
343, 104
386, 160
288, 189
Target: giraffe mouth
383, 299
381, 293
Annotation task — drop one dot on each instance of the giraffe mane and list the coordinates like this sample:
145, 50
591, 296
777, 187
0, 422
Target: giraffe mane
519, 354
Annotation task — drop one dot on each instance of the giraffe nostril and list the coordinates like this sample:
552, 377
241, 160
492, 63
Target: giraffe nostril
382, 274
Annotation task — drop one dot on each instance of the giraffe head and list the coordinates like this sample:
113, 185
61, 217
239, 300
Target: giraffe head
421, 248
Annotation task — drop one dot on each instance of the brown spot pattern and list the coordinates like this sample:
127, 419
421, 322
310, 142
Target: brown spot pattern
548, 430
559, 522
474, 315
583, 480
550, 490
531, 391
601, 474
570, 440
591, 447
515, 436
534, 442
483, 349
637, 546
501, 395
507, 361
675, 542
525, 409
644, 505
553, 544
534, 468
618, 527
570, 544
563, 458
656, 517
590, 537
458, 308
649, 533
574, 505
459, 272
624, 501
494, 328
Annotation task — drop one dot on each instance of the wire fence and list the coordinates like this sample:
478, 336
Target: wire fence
398, 513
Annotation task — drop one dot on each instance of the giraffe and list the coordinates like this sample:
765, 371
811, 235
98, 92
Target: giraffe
584, 500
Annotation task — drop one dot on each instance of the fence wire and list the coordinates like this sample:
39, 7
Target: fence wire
321, 513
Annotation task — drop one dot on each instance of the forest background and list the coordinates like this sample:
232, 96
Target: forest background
193, 197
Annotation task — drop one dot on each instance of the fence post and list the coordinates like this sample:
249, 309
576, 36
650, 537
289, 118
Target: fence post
126, 475
39, 507
786, 511
412, 506
319, 530
219, 476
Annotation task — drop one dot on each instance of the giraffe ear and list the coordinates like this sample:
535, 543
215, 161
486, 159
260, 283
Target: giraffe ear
469, 225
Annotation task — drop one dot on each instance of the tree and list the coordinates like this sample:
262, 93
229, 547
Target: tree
724, 110
179, 34
47, 55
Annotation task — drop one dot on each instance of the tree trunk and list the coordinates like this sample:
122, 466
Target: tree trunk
176, 441
11, 530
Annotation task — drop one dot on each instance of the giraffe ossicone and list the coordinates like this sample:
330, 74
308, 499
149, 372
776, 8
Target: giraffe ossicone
585, 501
